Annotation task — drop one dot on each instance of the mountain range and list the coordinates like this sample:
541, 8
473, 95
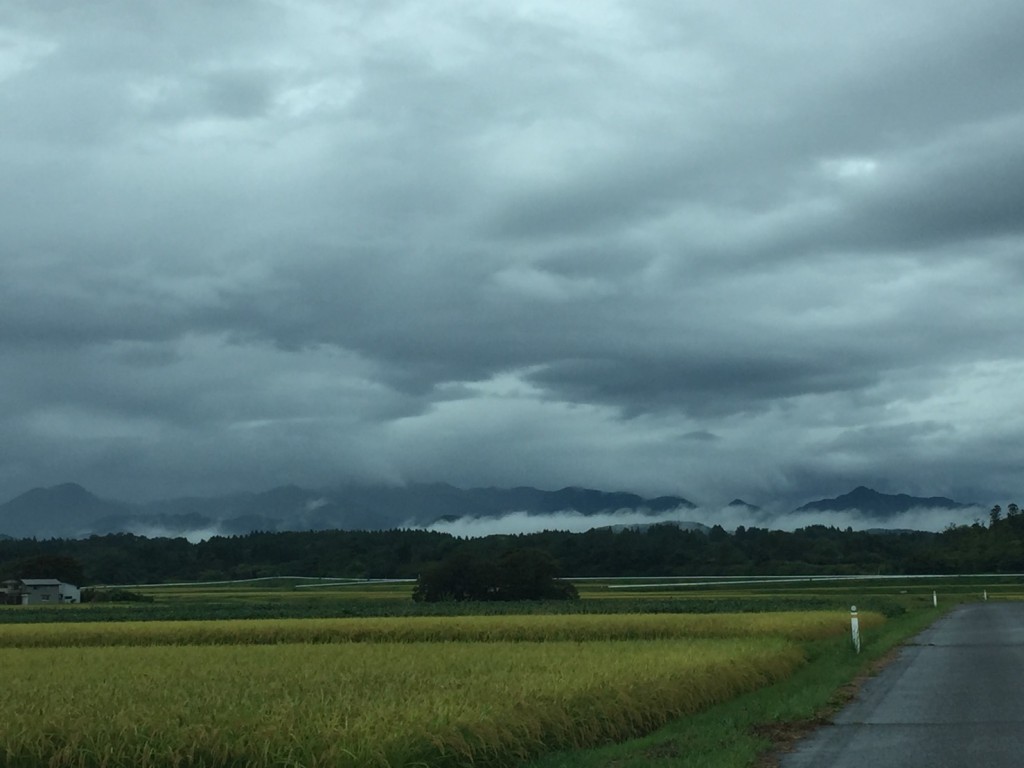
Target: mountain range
880, 505
70, 511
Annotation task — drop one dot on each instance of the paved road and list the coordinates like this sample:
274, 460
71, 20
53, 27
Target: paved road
953, 697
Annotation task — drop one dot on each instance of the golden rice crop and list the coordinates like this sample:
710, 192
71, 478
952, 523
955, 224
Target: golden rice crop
795, 625
368, 704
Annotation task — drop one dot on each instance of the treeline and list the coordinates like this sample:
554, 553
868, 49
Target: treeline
661, 550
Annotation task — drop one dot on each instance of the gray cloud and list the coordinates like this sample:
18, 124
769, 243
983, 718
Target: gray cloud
705, 249
921, 519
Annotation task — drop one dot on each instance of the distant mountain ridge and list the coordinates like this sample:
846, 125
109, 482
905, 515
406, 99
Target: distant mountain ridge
62, 510
741, 504
70, 511
881, 505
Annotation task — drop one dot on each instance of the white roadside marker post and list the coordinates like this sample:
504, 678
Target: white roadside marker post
855, 627
986, 595
935, 599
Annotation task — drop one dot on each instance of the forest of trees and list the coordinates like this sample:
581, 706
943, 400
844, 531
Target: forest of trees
662, 550
519, 574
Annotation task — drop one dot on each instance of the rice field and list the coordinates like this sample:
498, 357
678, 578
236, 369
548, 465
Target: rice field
806, 625
413, 691
371, 704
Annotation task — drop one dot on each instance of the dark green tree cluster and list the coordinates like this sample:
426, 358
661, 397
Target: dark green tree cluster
45, 566
520, 574
995, 548
995, 545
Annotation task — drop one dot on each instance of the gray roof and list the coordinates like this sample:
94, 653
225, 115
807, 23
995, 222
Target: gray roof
40, 582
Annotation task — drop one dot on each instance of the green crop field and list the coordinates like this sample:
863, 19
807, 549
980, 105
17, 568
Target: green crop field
581, 628
358, 675
345, 704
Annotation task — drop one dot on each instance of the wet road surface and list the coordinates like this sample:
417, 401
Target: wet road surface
953, 697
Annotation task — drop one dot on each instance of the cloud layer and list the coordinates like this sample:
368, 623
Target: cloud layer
918, 519
695, 248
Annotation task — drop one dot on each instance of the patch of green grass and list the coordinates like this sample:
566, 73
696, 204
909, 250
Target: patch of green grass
199, 604
742, 732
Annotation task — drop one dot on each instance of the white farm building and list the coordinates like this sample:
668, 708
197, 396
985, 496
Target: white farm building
40, 592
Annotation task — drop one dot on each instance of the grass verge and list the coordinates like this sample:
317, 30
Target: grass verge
748, 731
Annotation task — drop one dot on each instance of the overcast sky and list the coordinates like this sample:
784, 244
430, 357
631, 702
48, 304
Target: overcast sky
708, 248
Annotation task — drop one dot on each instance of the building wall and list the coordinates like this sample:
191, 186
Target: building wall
69, 593
40, 595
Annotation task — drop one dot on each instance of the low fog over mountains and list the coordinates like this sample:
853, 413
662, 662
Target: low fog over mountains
70, 511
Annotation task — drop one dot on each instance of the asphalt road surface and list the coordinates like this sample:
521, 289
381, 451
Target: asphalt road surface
953, 697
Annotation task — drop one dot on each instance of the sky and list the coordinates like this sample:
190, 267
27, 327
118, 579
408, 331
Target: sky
706, 248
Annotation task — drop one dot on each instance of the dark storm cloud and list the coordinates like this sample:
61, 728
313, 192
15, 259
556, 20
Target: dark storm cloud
701, 383
708, 249
962, 190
